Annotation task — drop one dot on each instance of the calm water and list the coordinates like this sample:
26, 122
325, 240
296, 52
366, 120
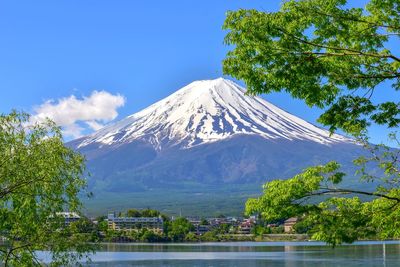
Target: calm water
248, 254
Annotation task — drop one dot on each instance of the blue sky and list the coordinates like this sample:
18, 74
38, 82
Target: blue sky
141, 50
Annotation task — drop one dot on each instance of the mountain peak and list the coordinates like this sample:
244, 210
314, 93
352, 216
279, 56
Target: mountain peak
212, 82
207, 111
206, 91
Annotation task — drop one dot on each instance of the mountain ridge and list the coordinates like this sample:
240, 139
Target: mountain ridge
206, 146
207, 111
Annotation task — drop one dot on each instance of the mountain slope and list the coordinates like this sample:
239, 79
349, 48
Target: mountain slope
209, 111
206, 137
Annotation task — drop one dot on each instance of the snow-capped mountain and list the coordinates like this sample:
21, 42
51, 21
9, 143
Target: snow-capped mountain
208, 111
207, 144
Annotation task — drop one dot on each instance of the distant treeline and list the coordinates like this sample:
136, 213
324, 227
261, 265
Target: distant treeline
177, 230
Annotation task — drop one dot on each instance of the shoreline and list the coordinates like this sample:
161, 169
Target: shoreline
254, 243
267, 238
228, 238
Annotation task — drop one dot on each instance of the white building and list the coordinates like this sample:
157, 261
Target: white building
134, 223
69, 217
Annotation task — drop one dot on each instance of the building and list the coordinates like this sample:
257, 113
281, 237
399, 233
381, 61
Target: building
135, 223
200, 228
289, 223
193, 220
69, 217
246, 225
233, 221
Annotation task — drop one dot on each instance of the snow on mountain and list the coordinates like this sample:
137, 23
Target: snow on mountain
208, 146
208, 111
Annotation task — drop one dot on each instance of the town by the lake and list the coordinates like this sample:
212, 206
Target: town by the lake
200, 133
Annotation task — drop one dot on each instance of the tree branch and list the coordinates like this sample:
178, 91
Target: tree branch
10, 189
381, 76
354, 51
352, 19
350, 191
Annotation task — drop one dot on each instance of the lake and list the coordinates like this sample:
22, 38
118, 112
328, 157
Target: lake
288, 254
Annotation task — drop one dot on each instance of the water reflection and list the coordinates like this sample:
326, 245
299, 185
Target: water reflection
384, 253
249, 254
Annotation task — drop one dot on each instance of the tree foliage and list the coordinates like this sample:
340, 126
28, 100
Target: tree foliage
39, 177
334, 57
142, 213
322, 52
179, 228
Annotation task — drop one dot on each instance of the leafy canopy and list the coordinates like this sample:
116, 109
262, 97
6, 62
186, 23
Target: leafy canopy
39, 178
142, 213
333, 57
322, 52
179, 228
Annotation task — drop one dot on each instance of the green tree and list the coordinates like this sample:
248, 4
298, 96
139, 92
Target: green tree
133, 213
222, 228
191, 237
102, 224
142, 213
332, 57
150, 213
83, 225
39, 177
322, 52
179, 228
259, 230
210, 236
204, 221
150, 236
86, 229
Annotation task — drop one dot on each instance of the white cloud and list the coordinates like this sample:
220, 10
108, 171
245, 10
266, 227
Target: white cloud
94, 125
69, 112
